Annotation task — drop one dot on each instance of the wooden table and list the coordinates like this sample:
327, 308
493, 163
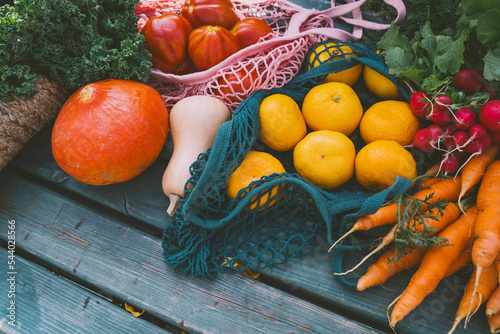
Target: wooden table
82, 252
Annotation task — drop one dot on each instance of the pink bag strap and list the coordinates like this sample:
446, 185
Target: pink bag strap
357, 21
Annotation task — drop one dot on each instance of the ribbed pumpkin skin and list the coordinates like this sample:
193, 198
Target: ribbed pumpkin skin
110, 131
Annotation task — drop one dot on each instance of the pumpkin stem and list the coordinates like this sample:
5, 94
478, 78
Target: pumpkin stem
86, 92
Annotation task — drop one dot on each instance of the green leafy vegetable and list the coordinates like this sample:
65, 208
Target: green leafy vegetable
492, 64
438, 13
429, 59
15, 78
74, 42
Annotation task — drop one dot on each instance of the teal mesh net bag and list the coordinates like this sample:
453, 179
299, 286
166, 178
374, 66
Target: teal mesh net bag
211, 234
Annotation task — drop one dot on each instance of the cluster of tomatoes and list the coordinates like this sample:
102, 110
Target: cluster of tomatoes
204, 33
456, 130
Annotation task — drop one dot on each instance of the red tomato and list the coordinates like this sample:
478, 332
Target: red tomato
236, 86
249, 30
185, 67
166, 38
209, 45
210, 12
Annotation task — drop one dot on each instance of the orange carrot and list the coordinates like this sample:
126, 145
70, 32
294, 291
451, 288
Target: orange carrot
474, 169
449, 214
447, 189
487, 230
493, 303
427, 182
434, 265
497, 265
384, 268
474, 296
433, 169
489, 191
462, 260
494, 322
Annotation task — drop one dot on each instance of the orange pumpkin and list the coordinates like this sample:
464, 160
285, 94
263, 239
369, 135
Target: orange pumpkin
110, 131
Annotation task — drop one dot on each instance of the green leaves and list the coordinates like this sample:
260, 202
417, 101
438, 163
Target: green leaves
488, 28
75, 42
449, 54
392, 39
428, 60
484, 18
424, 60
16, 81
492, 65
398, 59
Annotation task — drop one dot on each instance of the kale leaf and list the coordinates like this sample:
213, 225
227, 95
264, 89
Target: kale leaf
15, 78
74, 42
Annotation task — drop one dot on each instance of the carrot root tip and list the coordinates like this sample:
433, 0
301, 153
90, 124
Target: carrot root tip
380, 246
455, 324
476, 283
353, 229
392, 321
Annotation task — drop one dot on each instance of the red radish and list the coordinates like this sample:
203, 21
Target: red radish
489, 115
478, 145
450, 163
440, 116
470, 81
464, 118
442, 102
489, 90
477, 131
449, 144
495, 137
434, 133
419, 104
460, 138
449, 130
421, 142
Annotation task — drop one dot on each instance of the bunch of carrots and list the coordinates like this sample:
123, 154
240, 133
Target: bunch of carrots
461, 232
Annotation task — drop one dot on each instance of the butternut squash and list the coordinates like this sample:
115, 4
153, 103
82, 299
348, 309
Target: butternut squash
194, 122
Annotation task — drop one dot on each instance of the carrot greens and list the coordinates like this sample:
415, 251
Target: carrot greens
412, 227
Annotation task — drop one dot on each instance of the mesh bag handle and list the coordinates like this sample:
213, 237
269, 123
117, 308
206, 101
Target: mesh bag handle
357, 21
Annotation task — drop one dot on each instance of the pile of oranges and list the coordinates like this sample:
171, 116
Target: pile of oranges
319, 134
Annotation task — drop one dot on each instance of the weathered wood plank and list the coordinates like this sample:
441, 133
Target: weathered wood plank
46, 303
128, 263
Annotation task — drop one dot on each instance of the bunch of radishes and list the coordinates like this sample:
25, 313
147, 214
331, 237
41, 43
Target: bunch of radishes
458, 130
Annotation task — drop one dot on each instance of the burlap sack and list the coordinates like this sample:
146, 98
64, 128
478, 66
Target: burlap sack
21, 119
